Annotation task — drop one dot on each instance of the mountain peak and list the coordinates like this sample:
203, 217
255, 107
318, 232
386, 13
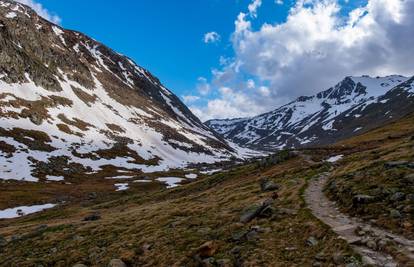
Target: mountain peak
86, 106
355, 104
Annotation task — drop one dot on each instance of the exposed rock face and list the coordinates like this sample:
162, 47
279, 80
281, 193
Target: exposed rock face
88, 104
353, 106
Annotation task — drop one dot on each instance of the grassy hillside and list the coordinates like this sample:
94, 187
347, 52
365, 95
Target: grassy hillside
379, 168
203, 223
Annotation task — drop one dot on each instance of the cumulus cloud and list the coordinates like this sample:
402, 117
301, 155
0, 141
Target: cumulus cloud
317, 46
279, 2
229, 104
41, 11
211, 37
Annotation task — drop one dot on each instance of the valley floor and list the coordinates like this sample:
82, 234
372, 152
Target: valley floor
249, 215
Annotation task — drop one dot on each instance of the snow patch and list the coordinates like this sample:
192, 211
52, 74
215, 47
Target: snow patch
335, 158
121, 187
170, 181
23, 210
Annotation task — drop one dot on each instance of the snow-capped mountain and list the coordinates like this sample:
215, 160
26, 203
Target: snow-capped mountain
353, 106
69, 104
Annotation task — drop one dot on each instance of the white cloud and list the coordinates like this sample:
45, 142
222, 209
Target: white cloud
211, 37
316, 47
190, 98
229, 104
41, 11
264, 91
203, 87
279, 2
251, 84
254, 5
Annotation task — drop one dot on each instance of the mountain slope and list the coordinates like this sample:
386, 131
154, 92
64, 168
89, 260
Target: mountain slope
353, 106
69, 104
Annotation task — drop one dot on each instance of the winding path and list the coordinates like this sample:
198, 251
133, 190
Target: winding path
345, 226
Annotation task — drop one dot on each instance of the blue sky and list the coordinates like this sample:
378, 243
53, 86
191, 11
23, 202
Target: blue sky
268, 52
166, 37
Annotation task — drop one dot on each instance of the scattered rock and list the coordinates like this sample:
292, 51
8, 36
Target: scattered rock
267, 185
408, 209
372, 244
312, 241
407, 225
3, 242
92, 217
250, 213
367, 261
410, 197
320, 256
362, 199
284, 211
239, 236
92, 195
263, 210
224, 263
209, 262
41, 228
208, 249
36, 119
236, 250
146, 247
338, 258
382, 244
116, 263
79, 265
395, 164
15, 238
409, 178
398, 196
395, 214
252, 235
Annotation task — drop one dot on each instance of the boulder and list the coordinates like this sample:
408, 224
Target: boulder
267, 185
263, 210
79, 265
250, 213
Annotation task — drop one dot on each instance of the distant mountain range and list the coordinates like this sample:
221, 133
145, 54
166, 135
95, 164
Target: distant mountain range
69, 104
353, 106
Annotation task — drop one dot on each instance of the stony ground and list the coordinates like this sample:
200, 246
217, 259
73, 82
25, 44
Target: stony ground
377, 246
235, 218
